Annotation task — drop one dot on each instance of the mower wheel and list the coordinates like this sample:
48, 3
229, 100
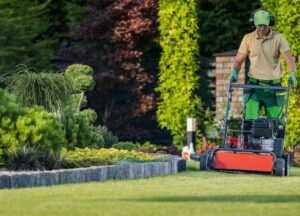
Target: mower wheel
280, 167
287, 165
203, 162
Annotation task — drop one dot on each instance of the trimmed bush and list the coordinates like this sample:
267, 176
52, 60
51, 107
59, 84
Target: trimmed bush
127, 145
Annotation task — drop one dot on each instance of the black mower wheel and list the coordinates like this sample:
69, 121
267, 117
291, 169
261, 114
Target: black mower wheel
280, 167
203, 162
287, 165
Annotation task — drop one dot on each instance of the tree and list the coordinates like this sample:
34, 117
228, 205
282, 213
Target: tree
178, 81
287, 15
62, 17
22, 39
116, 40
223, 24
82, 80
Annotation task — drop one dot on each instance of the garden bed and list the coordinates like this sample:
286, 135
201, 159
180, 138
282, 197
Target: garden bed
9, 179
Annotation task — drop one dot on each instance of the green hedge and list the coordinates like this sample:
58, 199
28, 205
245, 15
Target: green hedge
287, 15
178, 66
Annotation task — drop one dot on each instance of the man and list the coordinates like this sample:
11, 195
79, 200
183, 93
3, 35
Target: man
263, 47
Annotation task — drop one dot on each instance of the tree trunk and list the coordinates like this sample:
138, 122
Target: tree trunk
80, 101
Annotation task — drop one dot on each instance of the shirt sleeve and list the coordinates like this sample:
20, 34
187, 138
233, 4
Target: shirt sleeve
283, 46
244, 47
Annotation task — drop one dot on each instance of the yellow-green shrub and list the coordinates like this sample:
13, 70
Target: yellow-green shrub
39, 128
33, 127
94, 157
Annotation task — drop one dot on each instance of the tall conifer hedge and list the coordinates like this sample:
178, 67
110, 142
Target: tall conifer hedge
178, 81
22, 35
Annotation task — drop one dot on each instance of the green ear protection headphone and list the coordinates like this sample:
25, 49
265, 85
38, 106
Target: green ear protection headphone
251, 18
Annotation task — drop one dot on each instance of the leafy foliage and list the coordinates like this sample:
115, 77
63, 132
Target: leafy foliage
33, 88
40, 129
178, 66
287, 14
9, 112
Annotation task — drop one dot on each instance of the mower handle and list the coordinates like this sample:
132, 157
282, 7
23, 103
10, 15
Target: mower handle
232, 85
247, 86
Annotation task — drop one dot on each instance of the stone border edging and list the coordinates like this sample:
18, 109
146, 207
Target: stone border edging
98, 173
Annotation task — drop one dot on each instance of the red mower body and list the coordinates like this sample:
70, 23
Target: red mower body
243, 161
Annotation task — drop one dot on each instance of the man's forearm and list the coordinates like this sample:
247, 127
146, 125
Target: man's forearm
238, 61
237, 66
291, 66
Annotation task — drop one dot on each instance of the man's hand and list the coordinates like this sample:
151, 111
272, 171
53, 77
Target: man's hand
293, 79
233, 75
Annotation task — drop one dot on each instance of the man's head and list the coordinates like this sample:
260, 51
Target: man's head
262, 30
261, 17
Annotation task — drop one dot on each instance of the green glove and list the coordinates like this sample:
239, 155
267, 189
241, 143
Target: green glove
292, 77
233, 75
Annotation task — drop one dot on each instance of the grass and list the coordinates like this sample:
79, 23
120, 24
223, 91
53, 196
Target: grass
188, 193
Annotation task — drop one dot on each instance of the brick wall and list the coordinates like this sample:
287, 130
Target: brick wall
223, 67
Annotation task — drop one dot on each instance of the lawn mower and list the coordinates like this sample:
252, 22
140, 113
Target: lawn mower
257, 145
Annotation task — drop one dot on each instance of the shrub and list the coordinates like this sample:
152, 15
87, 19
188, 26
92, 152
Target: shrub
94, 157
33, 88
9, 112
80, 131
40, 129
50, 159
109, 138
24, 158
30, 158
32, 127
127, 145
147, 147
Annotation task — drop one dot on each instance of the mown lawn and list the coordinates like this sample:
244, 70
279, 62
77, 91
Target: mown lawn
189, 193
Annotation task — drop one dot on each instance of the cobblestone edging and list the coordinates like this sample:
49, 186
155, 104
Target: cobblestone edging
99, 173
